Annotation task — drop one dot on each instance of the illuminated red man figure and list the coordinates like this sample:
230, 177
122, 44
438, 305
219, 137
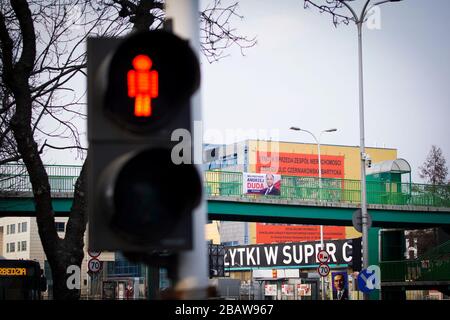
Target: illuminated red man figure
142, 85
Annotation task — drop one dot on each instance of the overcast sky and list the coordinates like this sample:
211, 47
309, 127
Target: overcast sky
303, 72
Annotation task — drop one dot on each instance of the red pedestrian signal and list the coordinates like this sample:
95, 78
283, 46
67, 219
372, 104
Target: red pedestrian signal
146, 83
139, 92
142, 85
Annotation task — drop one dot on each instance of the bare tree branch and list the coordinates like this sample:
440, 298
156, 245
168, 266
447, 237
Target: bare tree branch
42, 54
332, 7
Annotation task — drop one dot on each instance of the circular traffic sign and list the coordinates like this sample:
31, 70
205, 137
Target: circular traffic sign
94, 265
323, 270
323, 256
94, 254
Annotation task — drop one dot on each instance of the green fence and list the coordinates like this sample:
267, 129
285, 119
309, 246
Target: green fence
15, 178
416, 270
434, 265
223, 183
220, 183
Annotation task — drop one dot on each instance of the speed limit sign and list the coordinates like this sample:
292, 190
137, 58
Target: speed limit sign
323, 270
94, 265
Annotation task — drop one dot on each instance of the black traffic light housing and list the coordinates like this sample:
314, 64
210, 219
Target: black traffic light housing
138, 199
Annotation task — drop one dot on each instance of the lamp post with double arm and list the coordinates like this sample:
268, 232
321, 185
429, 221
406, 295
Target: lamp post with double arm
332, 7
320, 185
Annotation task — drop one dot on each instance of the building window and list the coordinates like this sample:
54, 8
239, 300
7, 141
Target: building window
24, 246
230, 243
7, 247
18, 246
60, 226
22, 227
122, 267
10, 229
12, 247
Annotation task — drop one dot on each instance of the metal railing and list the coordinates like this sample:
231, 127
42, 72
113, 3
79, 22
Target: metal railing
432, 266
420, 270
14, 178
222, 183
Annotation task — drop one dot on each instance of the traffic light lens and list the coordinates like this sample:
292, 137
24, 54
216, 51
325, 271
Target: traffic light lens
151, 194
142, 85
151, 79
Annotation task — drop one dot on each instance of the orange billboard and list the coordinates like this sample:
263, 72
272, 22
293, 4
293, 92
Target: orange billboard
297, 164
279, 233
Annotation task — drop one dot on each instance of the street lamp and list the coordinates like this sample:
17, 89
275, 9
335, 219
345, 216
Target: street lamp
359, 20
318, 150
320, 186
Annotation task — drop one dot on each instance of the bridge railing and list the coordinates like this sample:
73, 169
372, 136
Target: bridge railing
61, 178
423, 270
223, 183
432, 266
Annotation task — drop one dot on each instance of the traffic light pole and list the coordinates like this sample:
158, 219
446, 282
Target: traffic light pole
192, 268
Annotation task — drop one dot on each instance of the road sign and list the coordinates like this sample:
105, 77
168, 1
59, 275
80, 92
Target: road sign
94, 265
369, 279
323, 256
323, 270
357, 220
94, 254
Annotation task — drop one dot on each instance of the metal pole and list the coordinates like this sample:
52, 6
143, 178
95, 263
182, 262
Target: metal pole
250, 284
320, 193
320, 168
365, 229
193, 265
322, 280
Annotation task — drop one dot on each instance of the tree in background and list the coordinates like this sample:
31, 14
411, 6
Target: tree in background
434, 169
42, 48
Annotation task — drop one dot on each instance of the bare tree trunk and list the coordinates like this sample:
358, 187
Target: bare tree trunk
21, 66
60, 253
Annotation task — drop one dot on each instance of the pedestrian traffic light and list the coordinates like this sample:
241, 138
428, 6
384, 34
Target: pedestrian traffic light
139, 92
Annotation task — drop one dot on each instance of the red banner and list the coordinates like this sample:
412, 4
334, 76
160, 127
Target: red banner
295, 164
275, 233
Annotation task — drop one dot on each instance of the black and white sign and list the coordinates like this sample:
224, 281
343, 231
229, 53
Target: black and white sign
94, 265
323, 270
287, 254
